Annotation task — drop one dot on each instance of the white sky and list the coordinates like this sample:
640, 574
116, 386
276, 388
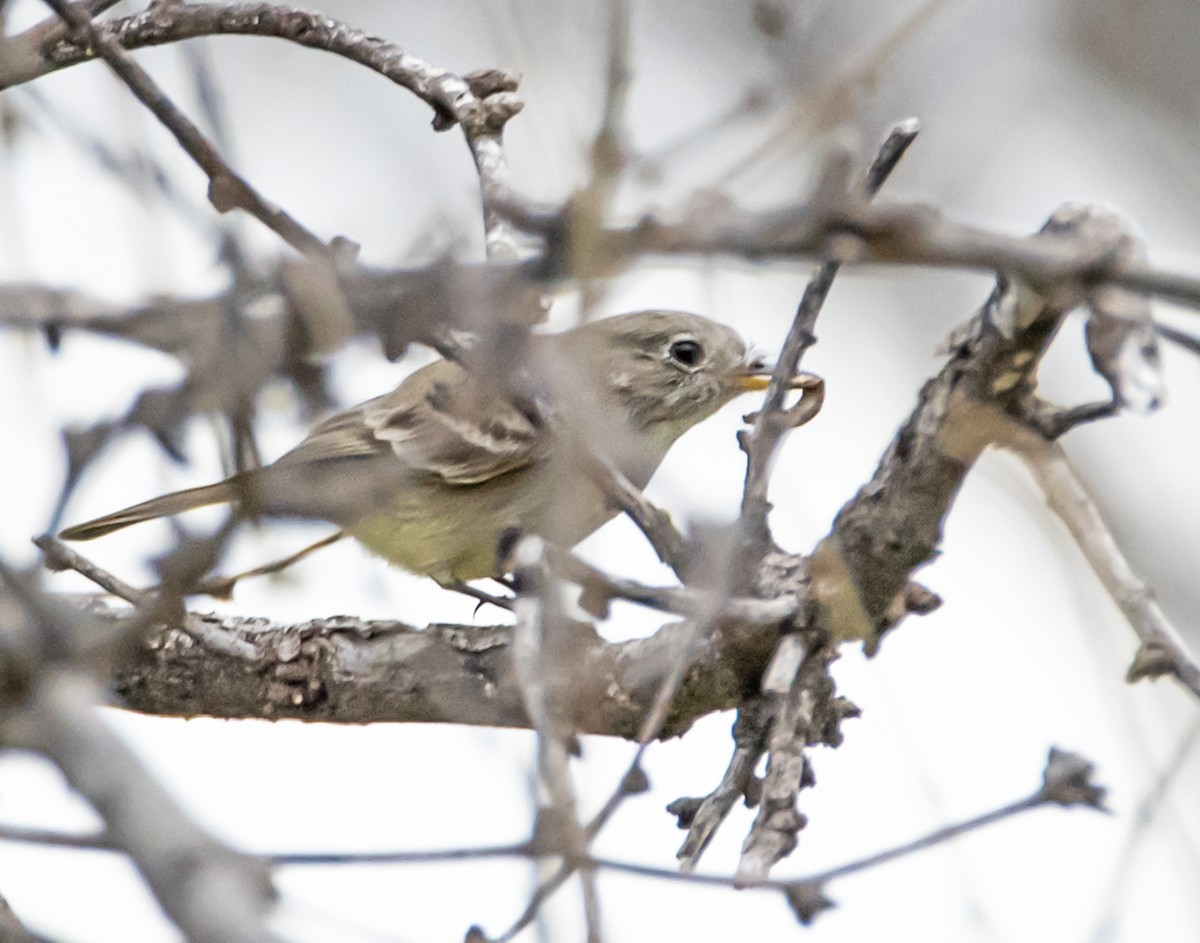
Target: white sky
960, 707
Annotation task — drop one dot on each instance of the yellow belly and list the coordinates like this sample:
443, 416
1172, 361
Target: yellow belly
453, 532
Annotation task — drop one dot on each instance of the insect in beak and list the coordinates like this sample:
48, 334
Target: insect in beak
760, 378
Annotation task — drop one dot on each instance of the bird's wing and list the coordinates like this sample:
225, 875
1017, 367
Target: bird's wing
434, 424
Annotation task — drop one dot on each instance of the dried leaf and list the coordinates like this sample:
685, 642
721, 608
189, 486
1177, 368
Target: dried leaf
1067, 781
807, 900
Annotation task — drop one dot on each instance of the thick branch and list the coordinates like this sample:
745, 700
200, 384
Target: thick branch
987, 387
41, 51
355, 671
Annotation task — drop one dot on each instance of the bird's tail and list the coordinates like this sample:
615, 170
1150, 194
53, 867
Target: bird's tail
165, 506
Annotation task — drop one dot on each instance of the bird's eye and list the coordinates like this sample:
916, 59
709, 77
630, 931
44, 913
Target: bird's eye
686, 353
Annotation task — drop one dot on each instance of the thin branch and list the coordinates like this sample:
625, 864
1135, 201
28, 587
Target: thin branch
858, 233
481, 102
226, 188
436, 856
656, 525
599, 588
702, 817
214, 894
51, 838
1143, 818
12, 930
771, 423
788, 689
1067, 781
221, 587
1182, 339
1163, 650
534, 655
58, 556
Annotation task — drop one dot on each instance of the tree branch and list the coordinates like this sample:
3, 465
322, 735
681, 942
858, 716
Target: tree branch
226, 189
357, 671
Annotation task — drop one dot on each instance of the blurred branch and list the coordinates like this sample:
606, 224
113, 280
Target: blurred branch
854, 232
1162, 650
139, 170
12, 930
1067, 781
656, 525
297, 313
480, 102
226, 188
214, 894
536, 658
894, 524
1148, 809
772, 422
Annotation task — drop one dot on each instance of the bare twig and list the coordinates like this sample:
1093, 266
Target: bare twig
770, 425
58, 556
599, 588
1143, 818
702, 817
1062, 265
481, 102
221, 587
214, 894
482, 109
790, 695
1067, 781
1188, 342
1163, 650
12, 930
669, 544
533, 656
226, 188
95, 841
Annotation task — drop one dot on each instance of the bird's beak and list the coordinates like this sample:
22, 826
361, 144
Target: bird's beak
759, 378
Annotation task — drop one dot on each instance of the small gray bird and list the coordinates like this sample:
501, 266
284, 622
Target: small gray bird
432, 475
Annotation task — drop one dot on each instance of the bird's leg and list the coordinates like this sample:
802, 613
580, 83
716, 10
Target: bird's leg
484, 597
221, 587
503, 573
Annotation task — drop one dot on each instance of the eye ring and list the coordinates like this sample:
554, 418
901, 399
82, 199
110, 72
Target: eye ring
687, 353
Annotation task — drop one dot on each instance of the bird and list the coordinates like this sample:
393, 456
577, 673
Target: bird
436, 475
